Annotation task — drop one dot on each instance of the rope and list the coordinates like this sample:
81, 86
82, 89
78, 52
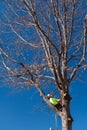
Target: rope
56, 121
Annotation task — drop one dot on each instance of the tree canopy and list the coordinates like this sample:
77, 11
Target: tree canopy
43, 45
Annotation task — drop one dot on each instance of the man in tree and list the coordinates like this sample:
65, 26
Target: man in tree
47, 32
55, 101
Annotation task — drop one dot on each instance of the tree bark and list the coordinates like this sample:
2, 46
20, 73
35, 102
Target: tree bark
66, 116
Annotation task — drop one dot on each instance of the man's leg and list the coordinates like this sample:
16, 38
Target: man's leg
59, 106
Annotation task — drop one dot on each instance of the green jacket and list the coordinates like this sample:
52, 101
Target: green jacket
53, 101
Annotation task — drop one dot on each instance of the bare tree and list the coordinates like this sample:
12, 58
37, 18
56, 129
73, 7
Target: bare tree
44, 42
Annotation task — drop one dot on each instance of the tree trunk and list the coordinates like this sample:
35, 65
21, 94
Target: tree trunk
66, 116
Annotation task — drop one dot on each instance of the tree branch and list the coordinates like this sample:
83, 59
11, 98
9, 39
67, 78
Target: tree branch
84, 52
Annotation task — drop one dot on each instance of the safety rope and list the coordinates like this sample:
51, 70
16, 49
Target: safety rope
56, 121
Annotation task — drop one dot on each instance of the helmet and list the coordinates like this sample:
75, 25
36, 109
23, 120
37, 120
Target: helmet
51, 128
49, 95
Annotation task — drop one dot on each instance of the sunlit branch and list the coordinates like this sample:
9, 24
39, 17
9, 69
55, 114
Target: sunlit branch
76, 53
10, 6
24, 41
57, 19
40, 28
84, 52
72, 20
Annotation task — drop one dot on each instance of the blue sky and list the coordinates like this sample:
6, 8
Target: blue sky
20, 110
